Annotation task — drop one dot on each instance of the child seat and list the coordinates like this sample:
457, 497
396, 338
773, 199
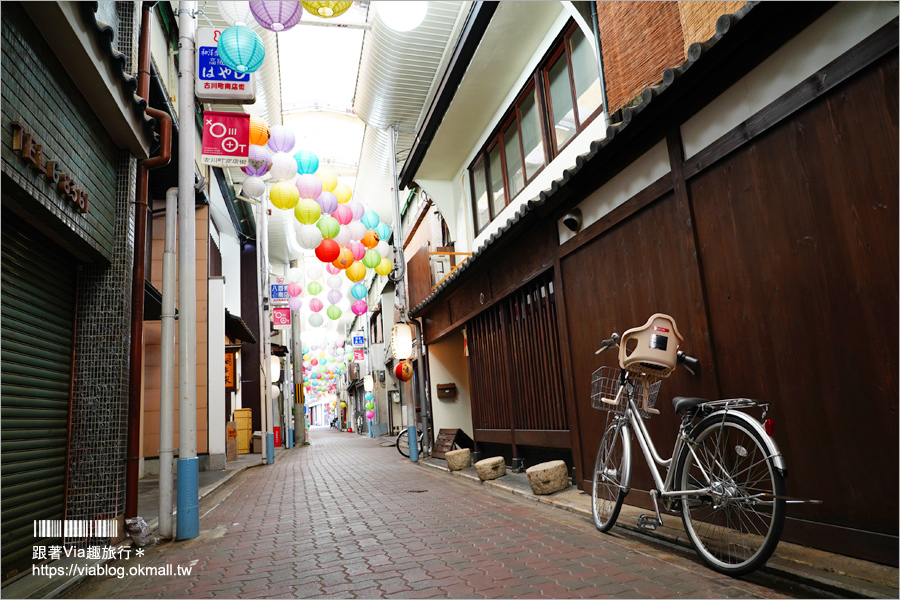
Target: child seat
649, 352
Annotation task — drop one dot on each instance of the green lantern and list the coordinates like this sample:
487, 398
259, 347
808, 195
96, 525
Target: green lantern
371, 259
334, 313
307, 211
329, 227
314, 288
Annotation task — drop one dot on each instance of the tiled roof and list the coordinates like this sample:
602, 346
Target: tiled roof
619, 123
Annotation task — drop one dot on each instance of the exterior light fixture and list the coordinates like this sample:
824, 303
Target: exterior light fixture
402, 16
401, 341
368, 383
275, 368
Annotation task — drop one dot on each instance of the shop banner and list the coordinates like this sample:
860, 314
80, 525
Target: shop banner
226, 139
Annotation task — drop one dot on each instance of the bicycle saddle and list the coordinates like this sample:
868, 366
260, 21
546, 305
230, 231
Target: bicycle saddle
681, 402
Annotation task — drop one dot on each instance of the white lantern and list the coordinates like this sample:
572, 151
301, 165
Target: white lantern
357, 230
402, 16
314, 273
335, 282
310, 237
254, 187
368, 383
383, 248
295, 274
275, 368
316, 320
284, 166
275, 391
401, 341
237, 13
343, 236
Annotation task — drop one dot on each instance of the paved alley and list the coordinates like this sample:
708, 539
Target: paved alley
349, 517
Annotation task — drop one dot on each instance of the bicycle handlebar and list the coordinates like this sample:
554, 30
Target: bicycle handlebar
688, 362
613, 341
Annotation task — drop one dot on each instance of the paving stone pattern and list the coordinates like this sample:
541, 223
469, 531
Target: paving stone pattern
348, 518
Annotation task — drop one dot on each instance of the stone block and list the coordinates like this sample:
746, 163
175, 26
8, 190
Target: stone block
457, 460
491, 468
548, 477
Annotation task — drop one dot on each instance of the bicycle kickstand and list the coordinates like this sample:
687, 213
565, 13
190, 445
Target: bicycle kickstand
651, 522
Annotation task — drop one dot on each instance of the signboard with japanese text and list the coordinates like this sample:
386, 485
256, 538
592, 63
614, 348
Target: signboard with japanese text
359, 354
226, 139
278, 290
216, 82
281, 317
358, 340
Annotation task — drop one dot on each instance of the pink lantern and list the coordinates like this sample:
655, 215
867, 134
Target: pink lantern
358, 250
332, 270
295, 303
343, 214
359, 308
315, 305
370, 414
295, 289
310, 186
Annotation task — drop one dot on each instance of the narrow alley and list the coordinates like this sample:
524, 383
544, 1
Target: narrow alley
348, 517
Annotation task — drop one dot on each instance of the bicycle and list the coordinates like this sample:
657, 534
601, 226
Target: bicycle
402, 442
725, 475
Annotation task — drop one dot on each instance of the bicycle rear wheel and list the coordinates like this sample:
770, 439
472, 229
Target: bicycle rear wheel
403, 443
736, 523
612, 476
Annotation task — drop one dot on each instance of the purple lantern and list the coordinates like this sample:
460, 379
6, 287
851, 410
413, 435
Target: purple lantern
315, 305
328, 202
335, 296
310, 186
357, 208
295, 303
260, 161
281, 139
359, 308
276, 16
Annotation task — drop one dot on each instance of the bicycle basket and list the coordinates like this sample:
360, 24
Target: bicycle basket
605, 385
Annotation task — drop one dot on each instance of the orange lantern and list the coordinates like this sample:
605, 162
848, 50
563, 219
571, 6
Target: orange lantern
259, 131
344, 259
404, 371
371, 239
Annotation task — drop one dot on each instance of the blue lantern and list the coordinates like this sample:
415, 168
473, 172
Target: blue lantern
358, 291
384, 231
307, 162
241, 49
369, 396
370, 219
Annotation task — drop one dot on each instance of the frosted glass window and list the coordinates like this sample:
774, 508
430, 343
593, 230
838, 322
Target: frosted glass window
515, 174
563, 117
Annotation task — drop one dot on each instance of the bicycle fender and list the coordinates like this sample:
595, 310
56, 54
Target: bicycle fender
771, 446
626, 476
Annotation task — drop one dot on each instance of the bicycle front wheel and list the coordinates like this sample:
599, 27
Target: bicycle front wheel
735, 522
612, 476
403, 443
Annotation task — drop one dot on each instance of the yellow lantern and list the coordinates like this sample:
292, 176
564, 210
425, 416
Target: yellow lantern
343, 193
284, 195
307, 211
327, 10
259, 131
328, 178
384, 267
356, 271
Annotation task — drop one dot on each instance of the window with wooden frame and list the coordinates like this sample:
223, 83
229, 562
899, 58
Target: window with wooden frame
559, 100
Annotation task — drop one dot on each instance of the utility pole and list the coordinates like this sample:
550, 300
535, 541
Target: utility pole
297, 356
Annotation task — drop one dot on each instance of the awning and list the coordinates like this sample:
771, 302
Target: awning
236, 329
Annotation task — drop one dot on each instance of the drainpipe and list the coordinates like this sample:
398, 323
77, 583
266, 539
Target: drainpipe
167, 371
188, 501
136, 351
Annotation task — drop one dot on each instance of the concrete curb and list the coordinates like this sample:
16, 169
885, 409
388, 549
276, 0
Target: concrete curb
839, 575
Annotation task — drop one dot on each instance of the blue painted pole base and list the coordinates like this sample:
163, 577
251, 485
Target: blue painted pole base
412, 436
270, 448
188, 504
290, 438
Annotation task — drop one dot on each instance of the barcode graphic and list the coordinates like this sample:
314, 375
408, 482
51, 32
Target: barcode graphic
50, 528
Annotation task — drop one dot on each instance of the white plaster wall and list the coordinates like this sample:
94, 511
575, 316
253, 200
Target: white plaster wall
447, 364
830, 36
634, 178
216, 365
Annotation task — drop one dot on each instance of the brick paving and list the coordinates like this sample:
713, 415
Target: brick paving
348, 518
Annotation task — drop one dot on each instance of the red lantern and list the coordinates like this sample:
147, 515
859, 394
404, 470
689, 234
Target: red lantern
404, 371
328, 251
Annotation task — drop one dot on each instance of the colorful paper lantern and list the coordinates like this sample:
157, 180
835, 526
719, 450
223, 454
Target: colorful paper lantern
358, 250
314, 288
383, 249
236, 13
315, 305
357, 230
309, 236
356, 271
328, 251
343, 214
370, 240
333, 312
328, 178
253, 187
281, 139
329, 227
327, 201
343, 236
359, 291
316, 320
370, 219
327, 10
334, 296
344, 259
284, 196
295, 274
370, 405
332, 270
259, 131
359, 308
334, 282
369, 396
276, 16
313, 273
384, 267
241, 49
284, 167
307, 211
294, 289
370, 414
384, 231
307, 162
309, 186
295, 303
259, 160
372, 259
343, 192
404, 370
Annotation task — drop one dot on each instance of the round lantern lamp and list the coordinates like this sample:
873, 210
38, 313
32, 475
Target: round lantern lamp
241, 49
236, 13
327, 10
284, 196
276, 16
254, 187
307, 162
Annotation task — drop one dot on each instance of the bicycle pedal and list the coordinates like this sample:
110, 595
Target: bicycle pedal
648, 522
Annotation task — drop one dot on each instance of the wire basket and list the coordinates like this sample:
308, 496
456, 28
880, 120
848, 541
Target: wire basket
605, 384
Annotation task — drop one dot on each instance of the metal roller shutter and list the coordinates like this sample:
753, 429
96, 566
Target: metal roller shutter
37, 324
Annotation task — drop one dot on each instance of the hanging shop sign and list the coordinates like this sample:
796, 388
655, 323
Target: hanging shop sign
358, 340
281, 318
278, 290
33, 155
226, 139
359, 354
216, 81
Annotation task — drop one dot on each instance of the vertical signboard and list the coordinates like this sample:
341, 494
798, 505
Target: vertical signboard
216, 82
226, 139
278, 290
281, 317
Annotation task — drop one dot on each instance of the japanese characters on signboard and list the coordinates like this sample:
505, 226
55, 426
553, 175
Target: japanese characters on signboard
226, 139
358, 340
216, 82
359, 354
278, 290
281, 317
